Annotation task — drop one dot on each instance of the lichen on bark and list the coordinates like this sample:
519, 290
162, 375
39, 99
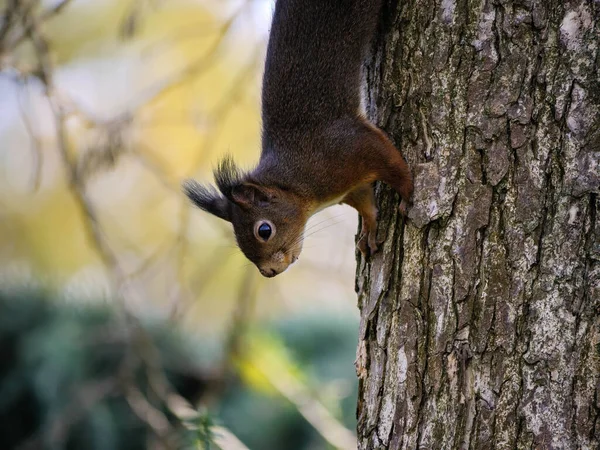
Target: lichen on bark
480, 316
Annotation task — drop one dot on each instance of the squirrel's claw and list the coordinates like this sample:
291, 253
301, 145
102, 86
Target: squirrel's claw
362, 246
403, 208
368, 243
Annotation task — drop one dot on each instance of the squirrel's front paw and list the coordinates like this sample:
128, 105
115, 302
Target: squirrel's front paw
403, 208
368, 243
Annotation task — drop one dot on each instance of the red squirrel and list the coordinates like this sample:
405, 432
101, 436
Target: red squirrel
318, 149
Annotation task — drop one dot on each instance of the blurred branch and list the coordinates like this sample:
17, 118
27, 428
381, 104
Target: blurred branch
218, 115
150, 260
130, 23
241, 317
192, 70
54, 10
84, 399
311, 409
139, 404
106, 152
226, 440
76, 183
36, 150
195, 30
13, 9
154, 166
181, 247
154, 418
225, 106
8, 20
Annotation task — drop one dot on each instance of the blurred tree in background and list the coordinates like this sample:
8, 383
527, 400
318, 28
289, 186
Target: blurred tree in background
106, 106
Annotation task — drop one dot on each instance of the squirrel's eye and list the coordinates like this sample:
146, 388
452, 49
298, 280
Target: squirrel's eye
264, 231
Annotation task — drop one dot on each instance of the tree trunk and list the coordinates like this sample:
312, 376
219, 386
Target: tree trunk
480, 315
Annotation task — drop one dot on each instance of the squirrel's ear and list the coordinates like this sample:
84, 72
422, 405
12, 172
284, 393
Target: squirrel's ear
207, 199
247, 194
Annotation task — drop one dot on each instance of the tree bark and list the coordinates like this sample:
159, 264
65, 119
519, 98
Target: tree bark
480, 315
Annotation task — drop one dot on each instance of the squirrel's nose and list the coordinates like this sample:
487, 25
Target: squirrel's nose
269, 273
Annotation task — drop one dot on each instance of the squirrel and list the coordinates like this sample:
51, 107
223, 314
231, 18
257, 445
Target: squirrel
318, 148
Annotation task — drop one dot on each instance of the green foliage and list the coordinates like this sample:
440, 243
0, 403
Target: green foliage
74, 377
204, 435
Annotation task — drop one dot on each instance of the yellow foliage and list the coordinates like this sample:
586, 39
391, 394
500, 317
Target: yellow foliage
266, 353
154, 92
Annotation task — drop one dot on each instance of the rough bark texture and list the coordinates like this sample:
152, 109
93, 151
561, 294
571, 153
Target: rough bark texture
481, 315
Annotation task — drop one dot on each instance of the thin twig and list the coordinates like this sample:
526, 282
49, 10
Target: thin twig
76, 184
226, 440
242, 316
192, 70
84, 399
26, 31
311, 409
36, 148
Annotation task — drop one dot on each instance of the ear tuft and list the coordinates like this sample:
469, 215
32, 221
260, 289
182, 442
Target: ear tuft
227, 176
236, 186
207, 198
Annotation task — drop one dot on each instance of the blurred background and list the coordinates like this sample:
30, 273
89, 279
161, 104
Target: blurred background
105, 106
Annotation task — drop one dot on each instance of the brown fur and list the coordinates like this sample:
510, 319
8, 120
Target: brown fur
316, 146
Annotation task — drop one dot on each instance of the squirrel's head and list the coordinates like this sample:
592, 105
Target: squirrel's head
267, 222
